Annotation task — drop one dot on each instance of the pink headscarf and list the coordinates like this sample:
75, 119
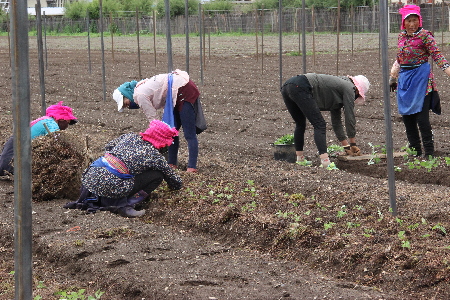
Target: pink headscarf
408, 10
57, 112
60, 112
159, 134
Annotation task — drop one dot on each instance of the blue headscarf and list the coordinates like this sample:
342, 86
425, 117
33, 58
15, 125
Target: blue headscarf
127, 89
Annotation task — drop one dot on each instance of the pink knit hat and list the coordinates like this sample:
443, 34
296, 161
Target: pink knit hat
362, 84
61, 112
408, 10
159, 134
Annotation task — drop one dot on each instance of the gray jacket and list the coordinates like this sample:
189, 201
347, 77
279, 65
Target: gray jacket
331, 94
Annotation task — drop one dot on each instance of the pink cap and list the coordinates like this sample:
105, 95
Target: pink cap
61, 112
408, 10
159, 134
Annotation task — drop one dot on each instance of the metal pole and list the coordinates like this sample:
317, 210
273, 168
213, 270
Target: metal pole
262, 39
352, 13
313, 20
103, 50
387, 106
154, 34
337, 36
256, 33
111, 30
186, 16
304, 36
201, 40
20, 79
45, 41
139, 48
89, 40
168, 37
280, 38
40, 55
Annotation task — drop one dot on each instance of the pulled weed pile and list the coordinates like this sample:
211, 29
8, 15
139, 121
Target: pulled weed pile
58, 162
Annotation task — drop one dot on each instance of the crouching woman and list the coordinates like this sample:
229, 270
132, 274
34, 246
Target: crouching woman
130, 170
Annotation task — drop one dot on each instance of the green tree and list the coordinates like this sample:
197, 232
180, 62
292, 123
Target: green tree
144, 6
75, 10
177, 7
220, 5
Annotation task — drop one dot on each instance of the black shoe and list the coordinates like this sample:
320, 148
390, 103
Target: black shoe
129, 212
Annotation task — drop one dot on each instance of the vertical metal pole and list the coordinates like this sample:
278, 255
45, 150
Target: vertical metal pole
304, 36
89, 40
313, 20
138, 44
201, 40
387, 106
280, 41
442, 24
45, 41
103, 50
40, 56
256, 33
352, 13
186, 16
154, 34
20, 79
338, 33
262, 39
204, 36
168, 37
9, 39
111, 30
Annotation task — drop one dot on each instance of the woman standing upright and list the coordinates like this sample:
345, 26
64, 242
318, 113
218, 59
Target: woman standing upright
416, 88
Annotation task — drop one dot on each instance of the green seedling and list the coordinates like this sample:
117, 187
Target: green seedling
440, 227
333, 150
342, 212
304, 163
286, 139
328, 225
431, 163
447, 161
352, 225
374, 159
78, 295
404, 241
331, 166
409, 151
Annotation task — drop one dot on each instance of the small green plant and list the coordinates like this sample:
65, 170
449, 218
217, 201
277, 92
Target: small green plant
328, 225
78, 295
286, 139
447, 161
331, 166
333, 150
78, 243
352, 225
374, 159
342, 212
440, 227
304, 163
409, 151
404, 241
430, 163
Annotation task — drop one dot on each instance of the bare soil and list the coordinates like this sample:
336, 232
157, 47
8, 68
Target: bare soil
246, 226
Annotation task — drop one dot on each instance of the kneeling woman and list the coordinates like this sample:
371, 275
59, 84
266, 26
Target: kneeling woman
131, 168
